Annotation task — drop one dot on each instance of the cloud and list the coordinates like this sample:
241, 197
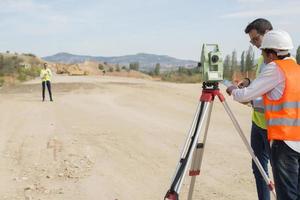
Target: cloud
32, 18
250, 1
252, 13
265, 8
21, 6
263, 13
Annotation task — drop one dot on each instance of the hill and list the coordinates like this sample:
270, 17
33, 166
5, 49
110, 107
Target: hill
96, 68
146, 61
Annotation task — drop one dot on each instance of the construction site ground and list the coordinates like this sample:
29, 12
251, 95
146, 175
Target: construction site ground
114, 138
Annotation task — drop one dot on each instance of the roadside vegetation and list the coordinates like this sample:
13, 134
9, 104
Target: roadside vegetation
18, 67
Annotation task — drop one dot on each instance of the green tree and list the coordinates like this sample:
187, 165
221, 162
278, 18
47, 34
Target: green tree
1, 62
1, 81
243, 68
157, 69
118, 68
227, 67
234, 61
182, 70
134, 66
298, 55
249, 62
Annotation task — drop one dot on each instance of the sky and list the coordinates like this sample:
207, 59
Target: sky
177, 28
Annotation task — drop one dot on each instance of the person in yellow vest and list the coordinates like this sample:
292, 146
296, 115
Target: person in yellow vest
46, 76
278, 83
259, 141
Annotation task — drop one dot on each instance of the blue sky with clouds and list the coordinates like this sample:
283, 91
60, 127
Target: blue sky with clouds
121, 27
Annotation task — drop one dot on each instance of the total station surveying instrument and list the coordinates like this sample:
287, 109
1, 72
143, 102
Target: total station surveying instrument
192, 152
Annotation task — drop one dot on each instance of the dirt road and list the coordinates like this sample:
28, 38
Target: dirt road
106, 138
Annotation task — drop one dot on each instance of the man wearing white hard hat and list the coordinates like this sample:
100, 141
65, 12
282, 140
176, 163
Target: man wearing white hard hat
278, 83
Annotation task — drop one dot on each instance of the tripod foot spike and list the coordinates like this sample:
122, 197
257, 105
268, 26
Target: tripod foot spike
171, 195
271, 186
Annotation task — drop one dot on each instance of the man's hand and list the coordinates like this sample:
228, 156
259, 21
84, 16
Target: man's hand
244, 83
230, 89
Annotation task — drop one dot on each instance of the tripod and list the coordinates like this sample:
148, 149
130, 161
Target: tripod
193, 151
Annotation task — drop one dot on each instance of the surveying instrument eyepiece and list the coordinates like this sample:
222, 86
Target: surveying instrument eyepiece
192, 152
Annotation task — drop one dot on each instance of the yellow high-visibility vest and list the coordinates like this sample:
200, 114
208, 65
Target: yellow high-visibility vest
46, 74
258, 116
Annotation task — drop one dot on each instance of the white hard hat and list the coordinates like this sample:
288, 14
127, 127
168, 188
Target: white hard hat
277, 39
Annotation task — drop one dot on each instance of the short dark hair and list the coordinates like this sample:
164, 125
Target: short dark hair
272, 51
260, 25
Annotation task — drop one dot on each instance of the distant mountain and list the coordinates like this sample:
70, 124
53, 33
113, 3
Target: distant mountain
146, 61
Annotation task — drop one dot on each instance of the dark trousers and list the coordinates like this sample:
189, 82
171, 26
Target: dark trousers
286, 170
48, 83
261, 148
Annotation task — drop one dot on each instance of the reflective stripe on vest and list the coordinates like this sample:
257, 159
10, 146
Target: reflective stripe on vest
284, 105
283, 122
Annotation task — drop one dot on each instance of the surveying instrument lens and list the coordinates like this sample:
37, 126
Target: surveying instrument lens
215, 58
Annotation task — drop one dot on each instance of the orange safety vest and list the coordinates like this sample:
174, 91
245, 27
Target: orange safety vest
283, 115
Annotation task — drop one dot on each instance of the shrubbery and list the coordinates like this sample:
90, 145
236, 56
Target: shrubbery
182, 75
100, 67
14, 66
181, 78
28, 73
29, 54
1, 81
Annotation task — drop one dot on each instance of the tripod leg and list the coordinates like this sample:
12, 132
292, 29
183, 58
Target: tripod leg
194, 141
189, 137
250, 150
190, 146
198, 156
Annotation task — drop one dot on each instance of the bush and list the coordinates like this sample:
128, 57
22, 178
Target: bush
25, 73
182, 75
181, 78
29, 54
100, 67
22, 77
111, 69
134, 66
9, 64
22, 74
1, 81
33, 71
